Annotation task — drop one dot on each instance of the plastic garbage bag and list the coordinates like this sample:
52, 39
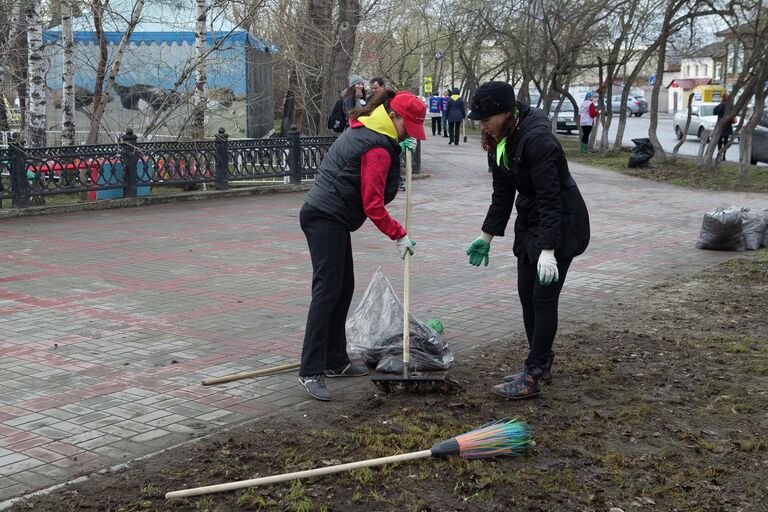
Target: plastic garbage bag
764, 216
753, 229
375, 333
721, 230
641, 153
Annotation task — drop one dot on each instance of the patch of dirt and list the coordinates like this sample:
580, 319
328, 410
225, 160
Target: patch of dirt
657, 403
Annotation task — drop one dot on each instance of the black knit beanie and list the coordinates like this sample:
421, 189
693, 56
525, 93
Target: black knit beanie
492, 98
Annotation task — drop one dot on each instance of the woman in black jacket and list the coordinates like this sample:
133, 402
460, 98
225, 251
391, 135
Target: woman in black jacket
552, 225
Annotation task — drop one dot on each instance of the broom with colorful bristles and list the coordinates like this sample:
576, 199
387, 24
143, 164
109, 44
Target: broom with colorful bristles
499, 438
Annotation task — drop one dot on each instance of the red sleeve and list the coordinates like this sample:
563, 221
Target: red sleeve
592, 110
374, 167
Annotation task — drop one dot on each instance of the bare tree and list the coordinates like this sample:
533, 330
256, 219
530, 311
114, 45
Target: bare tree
35, 122
114, 69
199, 101
749, 28
340, 54
5, 49
685, 129
68, 75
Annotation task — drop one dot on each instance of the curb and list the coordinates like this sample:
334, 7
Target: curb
132, 202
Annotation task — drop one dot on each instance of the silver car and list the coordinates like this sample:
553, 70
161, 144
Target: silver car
703, 119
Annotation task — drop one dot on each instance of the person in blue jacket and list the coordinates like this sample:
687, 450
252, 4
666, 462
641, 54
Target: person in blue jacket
445, 98
454, 114
436, 113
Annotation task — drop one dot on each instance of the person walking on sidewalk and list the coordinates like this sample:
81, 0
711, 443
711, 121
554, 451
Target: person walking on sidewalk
454, 114
436, 113
357, 178
587, 118
446, 97
552, 225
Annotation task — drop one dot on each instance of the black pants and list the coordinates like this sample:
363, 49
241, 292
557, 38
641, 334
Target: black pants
539, 308
585, 131
333, 283
723, 142
453, 132
437, 125
445, 127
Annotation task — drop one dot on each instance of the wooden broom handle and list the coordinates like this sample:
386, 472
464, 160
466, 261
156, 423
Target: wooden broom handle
407, 266
255, 373
210, 489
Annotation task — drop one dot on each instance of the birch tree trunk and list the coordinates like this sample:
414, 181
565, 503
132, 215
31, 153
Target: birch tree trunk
199, 100
114, 69
68, 76
35, 122
13, 30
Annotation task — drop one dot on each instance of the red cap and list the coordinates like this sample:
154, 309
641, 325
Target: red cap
413, 111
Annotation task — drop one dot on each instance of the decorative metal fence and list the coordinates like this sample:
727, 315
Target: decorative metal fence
131, 168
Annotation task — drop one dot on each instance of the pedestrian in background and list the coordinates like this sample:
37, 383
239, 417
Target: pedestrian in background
354, 95
719, 111
552, 224
455, 115
436, 113
587, 118
377, 86
446, 97
356, 179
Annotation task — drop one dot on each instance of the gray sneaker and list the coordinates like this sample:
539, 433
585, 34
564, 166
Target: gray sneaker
350, 370
315, 386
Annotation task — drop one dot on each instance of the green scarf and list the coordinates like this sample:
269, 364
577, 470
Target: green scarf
501, 153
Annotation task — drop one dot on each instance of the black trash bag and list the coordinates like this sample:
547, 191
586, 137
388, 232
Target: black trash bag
753, 228
641, 153
375, 333
426, 355
722, 230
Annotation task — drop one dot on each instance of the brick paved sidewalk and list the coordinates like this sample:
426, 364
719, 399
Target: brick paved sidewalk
110, 319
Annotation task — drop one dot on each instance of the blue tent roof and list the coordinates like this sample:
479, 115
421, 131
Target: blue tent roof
161, 21
51, 36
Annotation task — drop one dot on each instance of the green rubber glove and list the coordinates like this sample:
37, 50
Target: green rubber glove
479, 249
409, 143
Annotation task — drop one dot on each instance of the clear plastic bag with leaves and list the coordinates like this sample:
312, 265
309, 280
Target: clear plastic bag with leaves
375, 333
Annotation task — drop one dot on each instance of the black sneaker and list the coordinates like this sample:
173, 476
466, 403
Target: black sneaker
350, 370
315, 386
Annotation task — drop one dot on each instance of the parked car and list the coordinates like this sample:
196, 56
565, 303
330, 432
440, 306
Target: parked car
760, 141
565, 120
636, 105
703, 119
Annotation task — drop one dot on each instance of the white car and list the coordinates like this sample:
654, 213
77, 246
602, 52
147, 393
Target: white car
703, 119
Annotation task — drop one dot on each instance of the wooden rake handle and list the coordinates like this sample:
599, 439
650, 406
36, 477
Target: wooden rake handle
231, 486
248, 375
407, 266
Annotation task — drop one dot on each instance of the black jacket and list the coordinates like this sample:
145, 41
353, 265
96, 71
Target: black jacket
551, 214
337, 191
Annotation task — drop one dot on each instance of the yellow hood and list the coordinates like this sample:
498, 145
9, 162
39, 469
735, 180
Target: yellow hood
455, 97
380, 122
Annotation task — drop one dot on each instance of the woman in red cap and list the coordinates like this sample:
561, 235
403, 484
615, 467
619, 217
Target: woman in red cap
357, 177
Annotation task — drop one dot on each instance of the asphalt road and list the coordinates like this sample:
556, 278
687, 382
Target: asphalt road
637, 127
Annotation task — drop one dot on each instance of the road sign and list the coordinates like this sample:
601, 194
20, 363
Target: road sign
427, 87
427, 79
651, 80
